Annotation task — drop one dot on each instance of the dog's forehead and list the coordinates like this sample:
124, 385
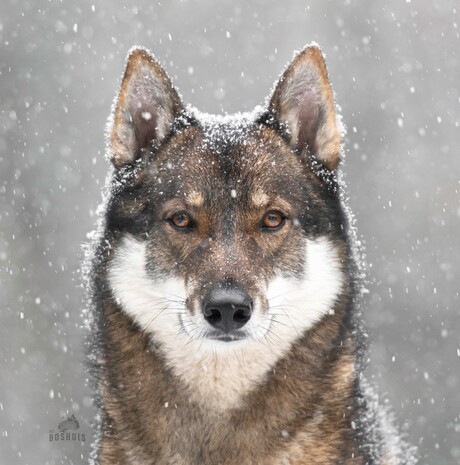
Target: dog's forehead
229, 154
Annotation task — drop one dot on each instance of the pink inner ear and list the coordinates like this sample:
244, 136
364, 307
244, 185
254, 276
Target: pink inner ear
309, 119
145, 121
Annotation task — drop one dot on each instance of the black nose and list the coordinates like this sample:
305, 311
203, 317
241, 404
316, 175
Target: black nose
227, 309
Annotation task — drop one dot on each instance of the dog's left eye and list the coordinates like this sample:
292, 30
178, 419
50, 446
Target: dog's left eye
273, 220
181, 220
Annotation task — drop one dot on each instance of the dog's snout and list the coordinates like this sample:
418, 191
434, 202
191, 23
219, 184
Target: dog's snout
227, 309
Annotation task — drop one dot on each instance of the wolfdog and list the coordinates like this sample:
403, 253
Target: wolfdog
223, 284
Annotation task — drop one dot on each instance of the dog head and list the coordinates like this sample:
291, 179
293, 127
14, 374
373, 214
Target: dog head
225, 230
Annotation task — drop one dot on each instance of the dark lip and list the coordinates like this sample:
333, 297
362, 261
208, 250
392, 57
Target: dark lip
230, 337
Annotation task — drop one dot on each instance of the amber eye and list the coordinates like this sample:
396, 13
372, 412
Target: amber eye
273, 220
181, 220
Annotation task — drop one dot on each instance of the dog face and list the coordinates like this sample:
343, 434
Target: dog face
226, 231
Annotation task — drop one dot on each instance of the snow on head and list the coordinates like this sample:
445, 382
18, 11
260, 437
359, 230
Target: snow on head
231, 127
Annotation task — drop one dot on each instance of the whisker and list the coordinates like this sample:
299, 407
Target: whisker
262, 340
289, 318
274, 320
285, 312
299, 289
180, 297
268, 330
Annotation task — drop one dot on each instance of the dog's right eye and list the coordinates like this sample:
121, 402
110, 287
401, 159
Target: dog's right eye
181, 221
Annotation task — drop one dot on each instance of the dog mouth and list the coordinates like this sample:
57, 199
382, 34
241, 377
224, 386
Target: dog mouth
226, 337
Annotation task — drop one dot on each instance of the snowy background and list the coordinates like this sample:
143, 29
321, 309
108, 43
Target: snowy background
395, 67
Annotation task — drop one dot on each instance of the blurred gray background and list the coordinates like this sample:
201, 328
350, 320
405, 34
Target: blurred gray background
395, 67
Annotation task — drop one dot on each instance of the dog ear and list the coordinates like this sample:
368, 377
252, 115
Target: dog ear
303, 100
144, 109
